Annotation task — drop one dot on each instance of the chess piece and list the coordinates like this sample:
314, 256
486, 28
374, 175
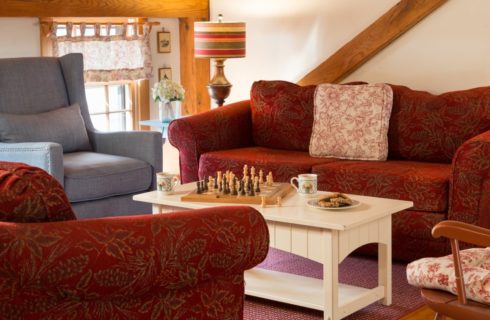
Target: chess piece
252, 173
220, 177
257, 187
210, 183
198, 185
216, 183
245, 170
261, 176
234, 192
205, 184
242, 188
270, 179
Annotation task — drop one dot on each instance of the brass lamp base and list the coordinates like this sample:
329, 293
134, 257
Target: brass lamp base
219, 87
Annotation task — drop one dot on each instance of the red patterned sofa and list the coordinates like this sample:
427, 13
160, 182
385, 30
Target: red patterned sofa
439, 154
185, 265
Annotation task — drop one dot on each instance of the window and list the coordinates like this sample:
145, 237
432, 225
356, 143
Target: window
116, 88
111, 105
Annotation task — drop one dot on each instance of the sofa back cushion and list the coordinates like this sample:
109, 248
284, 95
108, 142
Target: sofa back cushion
282, 115
427, 127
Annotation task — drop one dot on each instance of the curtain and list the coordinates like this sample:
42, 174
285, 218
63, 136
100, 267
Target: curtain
110, 52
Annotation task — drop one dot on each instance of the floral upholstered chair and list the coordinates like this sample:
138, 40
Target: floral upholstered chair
456, 286
185, 265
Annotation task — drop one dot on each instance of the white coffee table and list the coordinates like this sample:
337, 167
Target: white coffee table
324, 236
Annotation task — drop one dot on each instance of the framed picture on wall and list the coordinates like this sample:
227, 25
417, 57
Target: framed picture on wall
163, 41
164, 74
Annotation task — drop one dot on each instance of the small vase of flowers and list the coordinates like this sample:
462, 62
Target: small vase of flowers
169, 95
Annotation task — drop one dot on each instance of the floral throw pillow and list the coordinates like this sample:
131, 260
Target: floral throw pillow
438, 273
351, 121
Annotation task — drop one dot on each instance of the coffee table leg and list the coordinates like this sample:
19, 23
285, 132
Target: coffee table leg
330, 274
384, 259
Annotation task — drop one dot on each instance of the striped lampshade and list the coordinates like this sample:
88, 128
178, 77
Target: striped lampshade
219, 39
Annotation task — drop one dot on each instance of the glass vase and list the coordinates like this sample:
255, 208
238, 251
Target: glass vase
169, 110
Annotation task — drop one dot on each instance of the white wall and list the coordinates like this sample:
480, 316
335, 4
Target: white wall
19, 37
161, 60
287, 38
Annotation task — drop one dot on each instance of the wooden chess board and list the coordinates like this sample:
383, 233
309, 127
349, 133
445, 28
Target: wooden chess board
269, 193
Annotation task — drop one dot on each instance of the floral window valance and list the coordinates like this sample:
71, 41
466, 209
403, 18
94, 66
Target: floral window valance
110, 52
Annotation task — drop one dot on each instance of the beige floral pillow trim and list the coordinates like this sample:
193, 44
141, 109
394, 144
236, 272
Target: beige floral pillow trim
351, 121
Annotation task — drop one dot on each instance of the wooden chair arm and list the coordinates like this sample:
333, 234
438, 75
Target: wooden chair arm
462, 232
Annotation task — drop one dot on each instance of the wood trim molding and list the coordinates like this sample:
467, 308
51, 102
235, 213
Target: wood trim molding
194, 73
105, 8
399, 19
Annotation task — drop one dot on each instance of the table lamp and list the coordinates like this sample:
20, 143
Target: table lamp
219, 41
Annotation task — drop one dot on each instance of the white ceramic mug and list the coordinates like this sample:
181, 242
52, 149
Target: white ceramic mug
307, 184
166, 182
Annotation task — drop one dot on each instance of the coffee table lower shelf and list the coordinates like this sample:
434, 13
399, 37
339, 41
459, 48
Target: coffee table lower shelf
306, 292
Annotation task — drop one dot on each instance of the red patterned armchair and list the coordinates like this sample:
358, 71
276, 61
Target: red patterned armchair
185, 265
439, 151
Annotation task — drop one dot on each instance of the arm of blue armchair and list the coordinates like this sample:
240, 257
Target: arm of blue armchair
142, 145
45, 155
184, 265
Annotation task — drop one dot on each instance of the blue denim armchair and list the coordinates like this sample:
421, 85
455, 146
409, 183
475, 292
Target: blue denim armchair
100, 179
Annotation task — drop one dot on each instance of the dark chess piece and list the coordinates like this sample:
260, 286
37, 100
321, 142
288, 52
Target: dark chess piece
198, 185
216, 183
220, 187
242, 188
257, 188
234, 192
205, 184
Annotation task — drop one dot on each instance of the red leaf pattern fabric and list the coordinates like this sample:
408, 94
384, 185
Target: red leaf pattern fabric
282, 114
185, 265
424, 183
29, 194
427, 127
222, 128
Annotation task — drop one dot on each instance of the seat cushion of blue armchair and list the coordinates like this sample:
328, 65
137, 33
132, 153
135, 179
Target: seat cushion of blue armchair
91, 176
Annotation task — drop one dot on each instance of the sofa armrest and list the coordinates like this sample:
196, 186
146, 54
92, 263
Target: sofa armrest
156, 265
45, 155
141, 145
222, 128
469, 191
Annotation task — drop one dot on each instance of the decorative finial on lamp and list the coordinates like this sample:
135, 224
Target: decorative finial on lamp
219, 41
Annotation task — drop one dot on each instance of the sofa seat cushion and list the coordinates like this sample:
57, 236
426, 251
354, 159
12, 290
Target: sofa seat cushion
438, 273
284, 164
90, 176
426, 184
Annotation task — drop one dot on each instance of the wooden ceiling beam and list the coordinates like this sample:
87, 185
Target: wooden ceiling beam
399, 19
105, 8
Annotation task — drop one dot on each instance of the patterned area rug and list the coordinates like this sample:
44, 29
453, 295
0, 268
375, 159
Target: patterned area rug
359, 271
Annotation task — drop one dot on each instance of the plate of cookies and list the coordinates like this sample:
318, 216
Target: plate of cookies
333, 201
